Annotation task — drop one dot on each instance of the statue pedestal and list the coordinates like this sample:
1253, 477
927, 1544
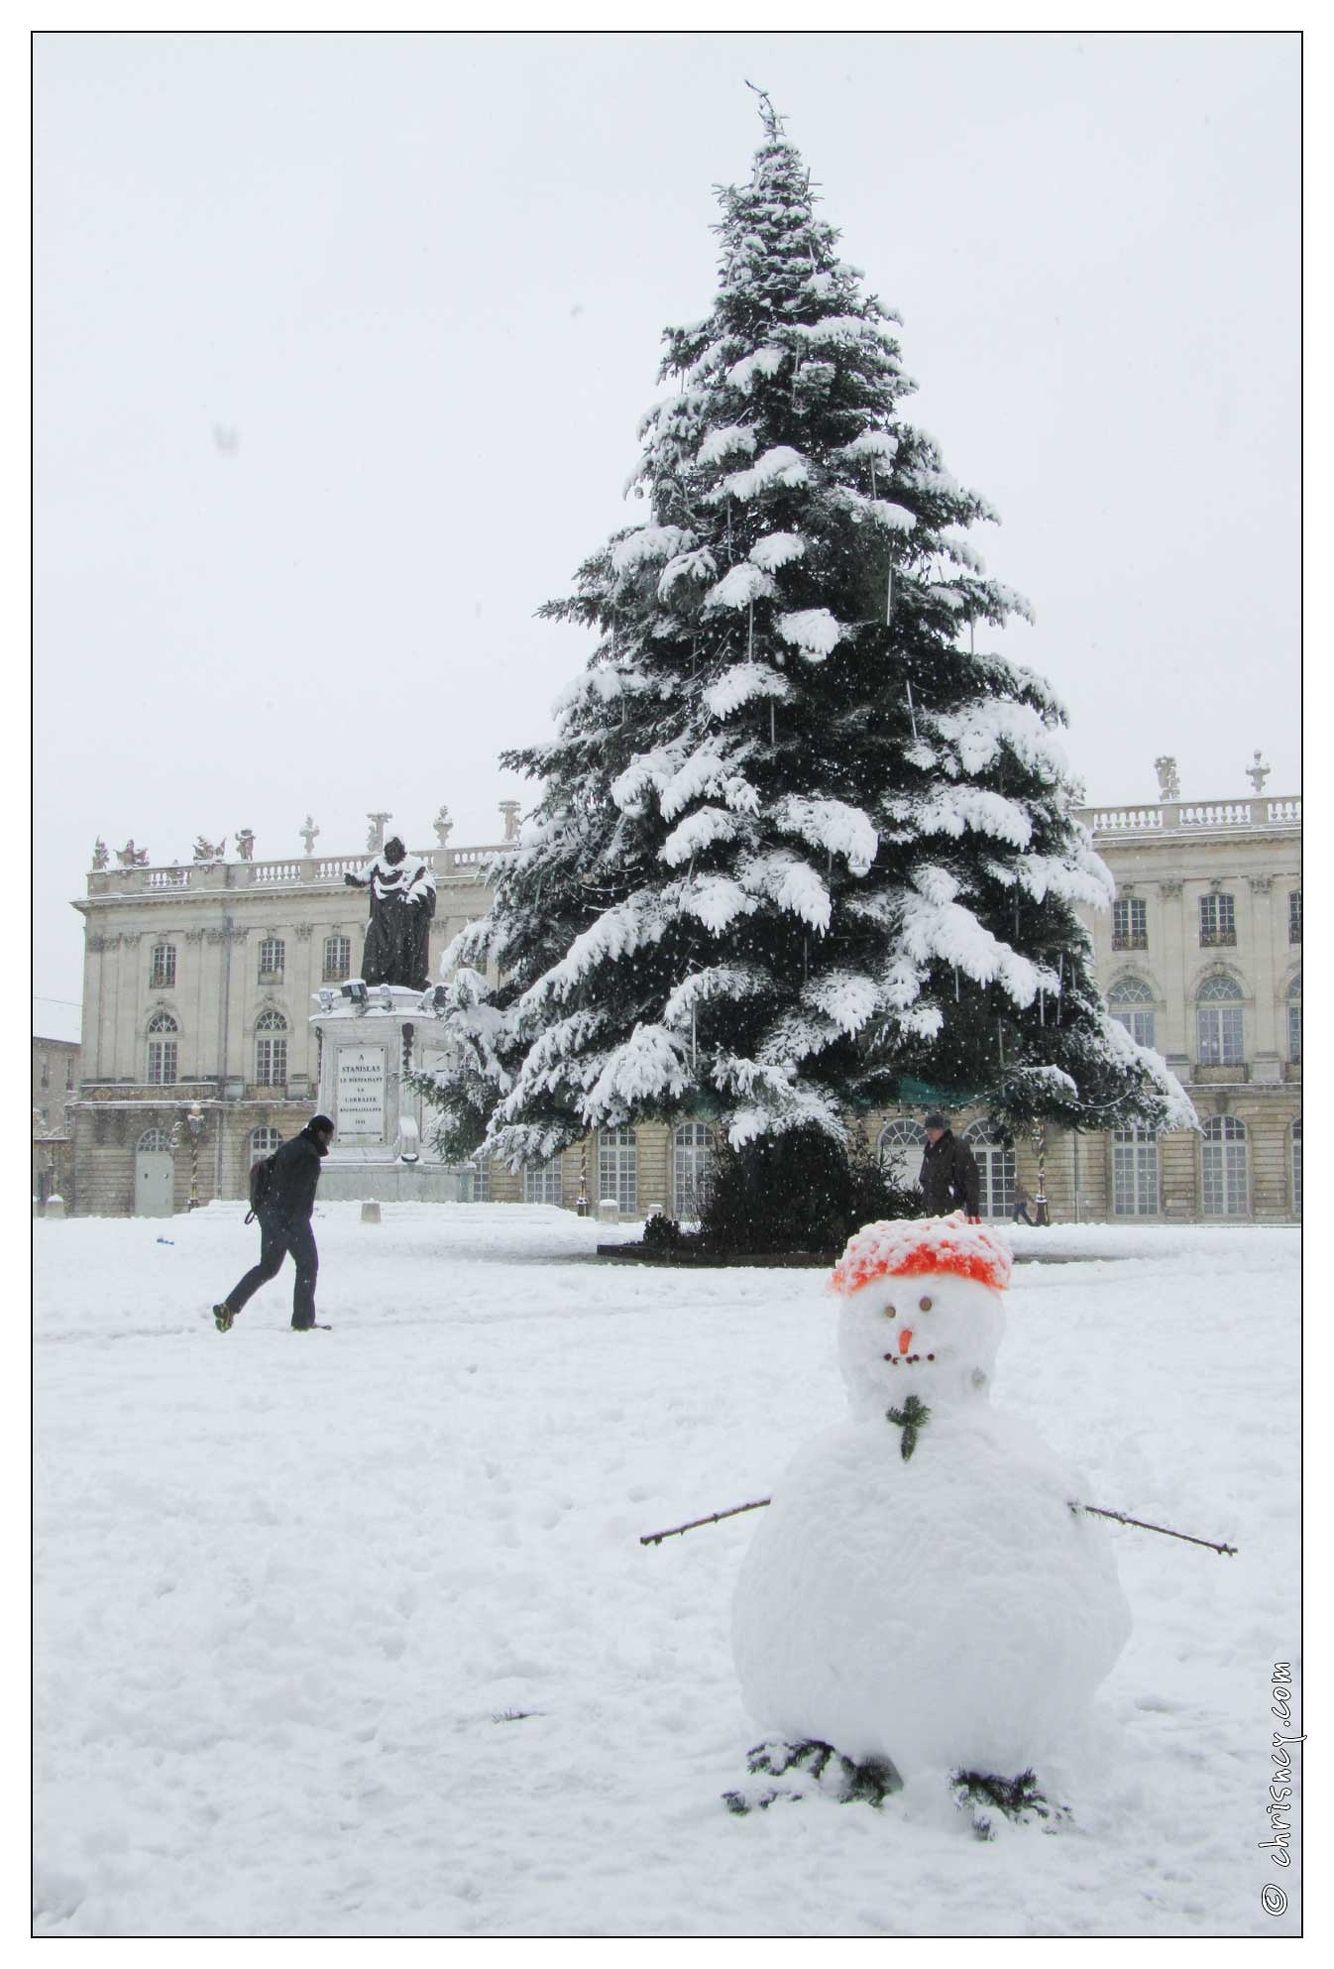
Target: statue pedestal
365, 1049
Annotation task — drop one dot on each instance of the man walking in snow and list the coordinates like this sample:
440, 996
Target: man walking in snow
284, 1225
949, 1177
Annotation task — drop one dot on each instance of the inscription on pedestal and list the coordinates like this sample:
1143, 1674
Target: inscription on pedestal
360, 1092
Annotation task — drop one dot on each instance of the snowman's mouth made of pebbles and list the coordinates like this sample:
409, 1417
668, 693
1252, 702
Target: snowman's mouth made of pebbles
901, 1355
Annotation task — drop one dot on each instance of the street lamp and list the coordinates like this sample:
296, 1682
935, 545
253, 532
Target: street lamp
194, 1122
1041, 1214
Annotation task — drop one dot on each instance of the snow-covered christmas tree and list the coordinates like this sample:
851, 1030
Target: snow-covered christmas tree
801, 848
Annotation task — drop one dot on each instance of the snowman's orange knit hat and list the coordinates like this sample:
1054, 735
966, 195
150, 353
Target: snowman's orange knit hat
921, 1245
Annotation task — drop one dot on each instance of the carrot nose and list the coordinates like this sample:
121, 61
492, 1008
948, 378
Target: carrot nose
905, 1339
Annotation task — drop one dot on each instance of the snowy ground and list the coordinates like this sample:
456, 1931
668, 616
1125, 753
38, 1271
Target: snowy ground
352, 1634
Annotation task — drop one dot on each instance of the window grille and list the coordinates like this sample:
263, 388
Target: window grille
1296, 1168
164, 966
1130, 924
541, 1181
995, 1166
337, 959
1224, 1171
1219, 1023
270, 1050
692, 1167
1131, 1004
618, 1169
272, 955
1294, 916
900, 1150
162, 1055
154, 1141
1134, 1173
263, 1141
481, 1178
1295, 1020
1218, 921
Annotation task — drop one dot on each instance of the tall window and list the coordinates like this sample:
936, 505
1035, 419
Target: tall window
1225, 1177
162, 1050
1296, 1168
995, 1165
1134, 1173
1218, 1022
270, 1050
337, 959
481, 1177
1295, 1020
900, 1150
1130, 924
272, 955
692, 1167
45, 1066
541, 1181
164, 966
69, 1072
618, 1168
263, 1141
1218, 920
1294, 915
1130, 1002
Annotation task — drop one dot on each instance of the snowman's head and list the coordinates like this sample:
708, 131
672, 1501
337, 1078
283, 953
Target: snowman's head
921, 1311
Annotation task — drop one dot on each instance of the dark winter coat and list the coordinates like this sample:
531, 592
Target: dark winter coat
296, 1171
949, 1177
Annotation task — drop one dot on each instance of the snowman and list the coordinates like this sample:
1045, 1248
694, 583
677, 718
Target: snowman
921, 1599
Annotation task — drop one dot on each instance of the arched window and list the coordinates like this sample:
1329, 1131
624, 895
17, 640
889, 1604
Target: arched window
164, 966
1134, 1173
1224, 1173
1130, 1002
1218, 1022
692, 1167
270, 1050
263, 1141
995, 1165
1295, 1020
1296, 1168
154, 1141
900, 1151
618, 1169
272, 956
541, 1181
162, 1054
337, 959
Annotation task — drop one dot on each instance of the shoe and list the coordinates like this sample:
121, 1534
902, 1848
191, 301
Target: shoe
311, 1326
223, 1317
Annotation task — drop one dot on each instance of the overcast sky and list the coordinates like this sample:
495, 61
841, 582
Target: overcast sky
341, 342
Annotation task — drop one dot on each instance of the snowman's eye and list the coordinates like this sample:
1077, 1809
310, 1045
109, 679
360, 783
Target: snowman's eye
890, 1313
924, 1305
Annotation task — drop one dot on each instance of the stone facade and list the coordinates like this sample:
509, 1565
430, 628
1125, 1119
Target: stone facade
218, 961
55, 1082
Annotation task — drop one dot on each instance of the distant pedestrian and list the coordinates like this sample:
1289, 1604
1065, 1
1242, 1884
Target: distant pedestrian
949, 1178
1022, 1199
284, 1214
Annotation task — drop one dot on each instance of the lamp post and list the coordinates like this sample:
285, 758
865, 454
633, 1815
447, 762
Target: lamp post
194, 1122
1041, 1214
581, 1206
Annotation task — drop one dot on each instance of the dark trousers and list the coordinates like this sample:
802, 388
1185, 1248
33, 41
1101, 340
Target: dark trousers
275, 1241
1021, 1211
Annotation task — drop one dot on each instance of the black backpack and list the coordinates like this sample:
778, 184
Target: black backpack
261, 1185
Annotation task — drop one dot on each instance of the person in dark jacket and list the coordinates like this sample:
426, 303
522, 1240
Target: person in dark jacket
284, 1225
949, 1177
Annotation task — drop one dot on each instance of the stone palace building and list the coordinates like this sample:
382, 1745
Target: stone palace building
197, 1055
